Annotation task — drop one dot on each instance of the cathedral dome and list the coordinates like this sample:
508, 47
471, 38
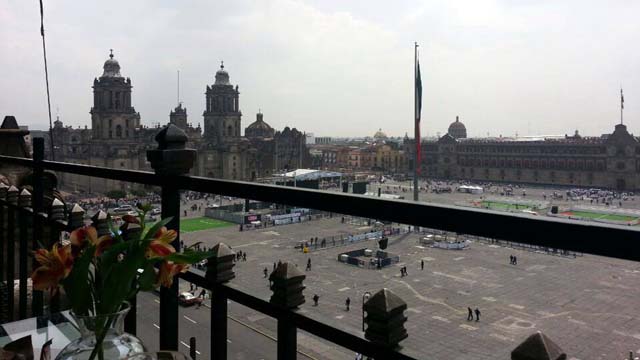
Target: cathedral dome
380, 135
457, 129
259, 128
111, 67
222, 76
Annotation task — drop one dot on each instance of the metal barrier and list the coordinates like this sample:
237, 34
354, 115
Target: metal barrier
599, 239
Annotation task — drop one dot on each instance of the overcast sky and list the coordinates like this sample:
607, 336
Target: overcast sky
337, 67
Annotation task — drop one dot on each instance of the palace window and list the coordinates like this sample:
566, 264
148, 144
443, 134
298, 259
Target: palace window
118, 131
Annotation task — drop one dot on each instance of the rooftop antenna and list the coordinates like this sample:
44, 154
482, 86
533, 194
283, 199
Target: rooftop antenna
621, 105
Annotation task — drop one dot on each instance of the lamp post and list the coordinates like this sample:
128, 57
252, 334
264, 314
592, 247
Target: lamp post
365, 297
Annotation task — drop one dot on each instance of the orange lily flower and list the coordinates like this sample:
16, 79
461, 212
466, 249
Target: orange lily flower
55, 266
160, 246
167, 271
88, 234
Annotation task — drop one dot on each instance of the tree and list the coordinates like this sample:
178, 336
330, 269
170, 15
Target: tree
116, 194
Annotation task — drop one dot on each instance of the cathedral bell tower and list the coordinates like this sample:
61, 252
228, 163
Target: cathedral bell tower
112, 115
178, 117
222, 113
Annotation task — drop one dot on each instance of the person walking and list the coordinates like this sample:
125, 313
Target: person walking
308, 264
515, 260
470, 314
348, 302
477, 315
244, 256
511, 259
265, 271
315, 299
421, 264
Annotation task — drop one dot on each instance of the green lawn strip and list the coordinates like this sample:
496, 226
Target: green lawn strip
201, 223
504, 206
602, 216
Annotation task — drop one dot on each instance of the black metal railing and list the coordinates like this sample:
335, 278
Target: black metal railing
580, 237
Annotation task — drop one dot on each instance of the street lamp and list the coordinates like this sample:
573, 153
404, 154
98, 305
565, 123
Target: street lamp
365, 297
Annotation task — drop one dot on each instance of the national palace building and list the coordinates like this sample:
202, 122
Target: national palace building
610, 161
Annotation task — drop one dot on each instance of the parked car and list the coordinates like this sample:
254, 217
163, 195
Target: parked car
188, 299
156, 211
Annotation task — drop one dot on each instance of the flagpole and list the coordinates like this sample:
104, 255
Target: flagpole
416, 125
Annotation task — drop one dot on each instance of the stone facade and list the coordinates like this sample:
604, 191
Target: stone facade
376, 154
118, 140
609, 161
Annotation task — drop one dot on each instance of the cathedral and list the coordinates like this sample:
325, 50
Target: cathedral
118, 140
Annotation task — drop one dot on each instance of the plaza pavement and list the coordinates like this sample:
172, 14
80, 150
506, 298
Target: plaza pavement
588, 305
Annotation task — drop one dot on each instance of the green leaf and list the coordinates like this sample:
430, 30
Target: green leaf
77, 284
121, 279
147, 279
189, 257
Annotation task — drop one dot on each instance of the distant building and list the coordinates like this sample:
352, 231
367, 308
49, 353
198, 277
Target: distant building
609, 161
309, 139
323, 140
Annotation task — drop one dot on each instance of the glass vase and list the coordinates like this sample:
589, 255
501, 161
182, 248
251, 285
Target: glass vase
116, 344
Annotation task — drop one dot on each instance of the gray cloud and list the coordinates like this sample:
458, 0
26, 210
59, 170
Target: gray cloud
335, 67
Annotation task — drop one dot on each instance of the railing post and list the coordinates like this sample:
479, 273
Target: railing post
130, 230
192, 348
24, 210
57, 222
169, 160
12, 199
4, 301
219, 271
538, 347
385, 319
3, 228
38, 207
287, 290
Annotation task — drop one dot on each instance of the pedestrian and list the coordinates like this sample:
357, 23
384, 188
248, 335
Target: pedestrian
308, 264
265, 271
185, 213
470, 314
405, 271
348, 302
515, 260
421, 264
511, 259
315, 299
244, 256
477, 315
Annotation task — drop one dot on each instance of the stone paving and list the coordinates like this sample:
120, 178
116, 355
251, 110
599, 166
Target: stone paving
588, 305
